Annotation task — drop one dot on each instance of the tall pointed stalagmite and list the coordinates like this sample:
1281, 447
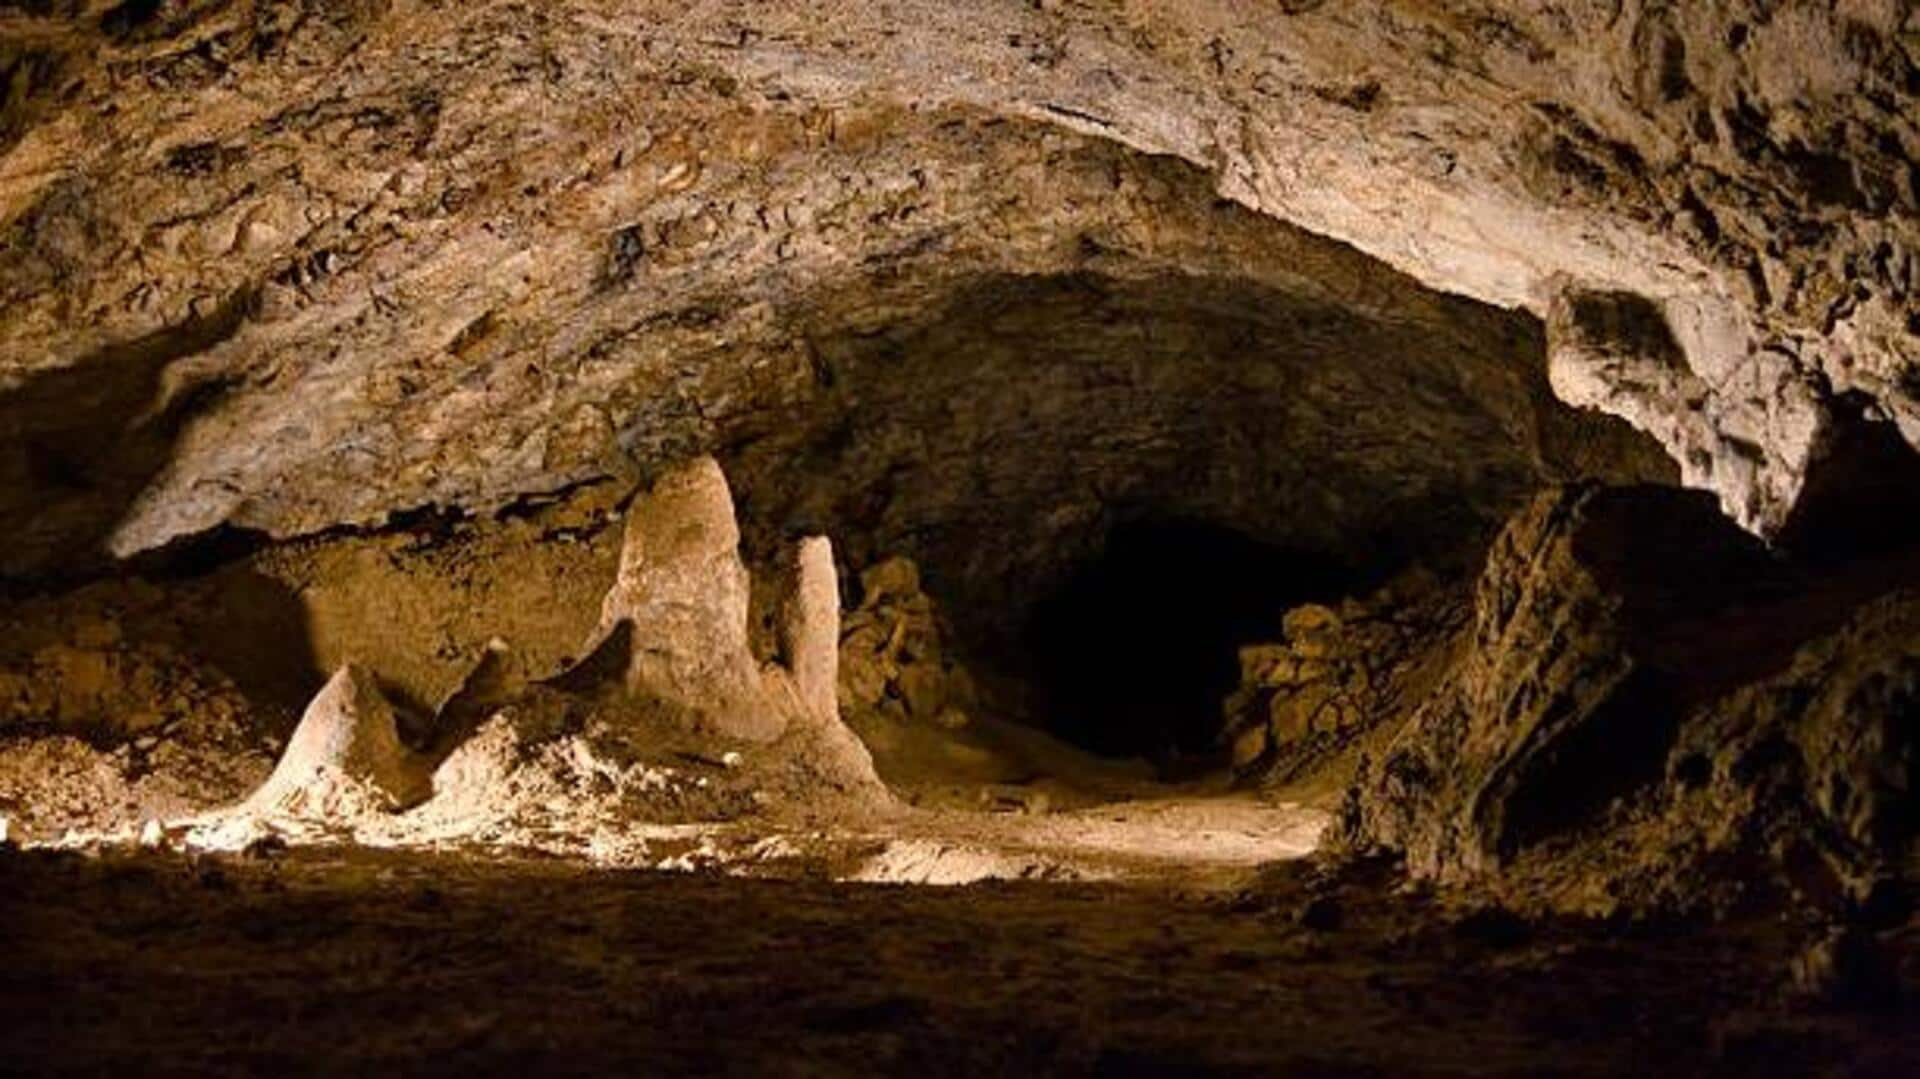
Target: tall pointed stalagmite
344, 758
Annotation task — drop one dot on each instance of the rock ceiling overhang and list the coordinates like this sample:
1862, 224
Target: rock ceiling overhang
359, 257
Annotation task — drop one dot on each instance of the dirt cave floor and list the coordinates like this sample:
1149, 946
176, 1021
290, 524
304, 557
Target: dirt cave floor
356, 961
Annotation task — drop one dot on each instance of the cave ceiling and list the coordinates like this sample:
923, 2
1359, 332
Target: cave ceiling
286, 267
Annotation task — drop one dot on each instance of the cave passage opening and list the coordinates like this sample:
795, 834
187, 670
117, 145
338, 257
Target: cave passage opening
1112, 482
1133, 655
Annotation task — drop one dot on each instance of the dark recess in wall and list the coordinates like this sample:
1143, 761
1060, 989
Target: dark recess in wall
1133, 655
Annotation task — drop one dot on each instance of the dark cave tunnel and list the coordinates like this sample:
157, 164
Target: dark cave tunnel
1112, 484
1134, 653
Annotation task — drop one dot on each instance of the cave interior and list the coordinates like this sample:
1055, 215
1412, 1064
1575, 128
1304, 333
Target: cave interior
960, 538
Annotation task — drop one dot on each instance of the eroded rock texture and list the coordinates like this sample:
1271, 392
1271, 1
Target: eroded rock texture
356, 287
1647, 708
284, 266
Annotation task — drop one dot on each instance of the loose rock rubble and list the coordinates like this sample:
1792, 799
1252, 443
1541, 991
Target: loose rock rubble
894, 664
1338, 674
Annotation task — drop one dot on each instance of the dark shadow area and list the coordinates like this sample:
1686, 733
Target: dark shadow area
120, 658
1133, 655
571, 970
79, 444
1862, 491
250, 625
255, 630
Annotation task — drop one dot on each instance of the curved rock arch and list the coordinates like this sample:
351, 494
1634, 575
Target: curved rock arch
424, 210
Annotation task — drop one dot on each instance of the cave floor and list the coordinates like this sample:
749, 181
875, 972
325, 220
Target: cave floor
350, 960
1199, 843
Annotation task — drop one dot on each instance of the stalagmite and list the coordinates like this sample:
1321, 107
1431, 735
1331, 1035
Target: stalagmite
683, 595
685, 592
810, 628
808, 681
344, 758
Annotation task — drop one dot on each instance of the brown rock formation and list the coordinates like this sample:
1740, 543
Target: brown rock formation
677, 616
345, 758
684, 594
1648, 709
1337, 675
810, 629
894, 666
466, 270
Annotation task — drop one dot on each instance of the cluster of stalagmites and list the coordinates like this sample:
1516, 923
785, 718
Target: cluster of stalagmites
1635, 705
672, 643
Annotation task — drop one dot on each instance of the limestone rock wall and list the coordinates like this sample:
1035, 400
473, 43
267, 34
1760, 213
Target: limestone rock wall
289, 265
1649, 710
1339, 673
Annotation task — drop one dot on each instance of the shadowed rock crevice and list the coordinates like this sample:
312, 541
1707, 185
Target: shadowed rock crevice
1862, 493
82, 443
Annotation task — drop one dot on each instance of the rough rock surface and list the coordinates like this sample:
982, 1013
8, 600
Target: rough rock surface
1338, 674
94, 667
53, 785
443, 588
285, 268
1813, 773
894, 665
977, 282
1648, 709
